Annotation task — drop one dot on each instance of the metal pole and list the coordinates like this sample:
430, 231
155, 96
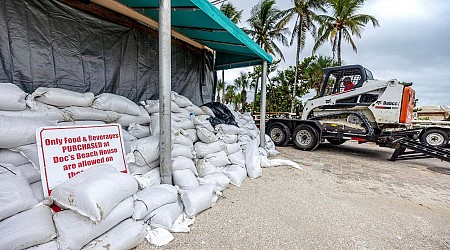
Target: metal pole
165, 84
262, 121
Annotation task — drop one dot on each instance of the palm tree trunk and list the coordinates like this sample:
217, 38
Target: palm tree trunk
339, 48
297, 59
256, 93
223, 89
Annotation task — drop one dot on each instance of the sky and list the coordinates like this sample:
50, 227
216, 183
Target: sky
412, 44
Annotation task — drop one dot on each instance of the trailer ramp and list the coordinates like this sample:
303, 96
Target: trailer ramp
408, 149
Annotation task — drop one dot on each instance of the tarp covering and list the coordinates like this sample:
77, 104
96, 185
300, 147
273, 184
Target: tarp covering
46, 43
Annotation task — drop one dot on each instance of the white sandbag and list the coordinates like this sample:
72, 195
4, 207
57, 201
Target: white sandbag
12, 97
151, 178
181, 162
208, 111
166, 215
144, 151
127, 136
152, 106
182, 223
51, 245
15, 192
253, 133
186, 124
201, 118
244, 139
203, 149
31, 174
237, 158
181, 150
192, 134
28, 228
158, 236
16, 132
232, 148
205, 168
139, 131
180, 100
184, 179
127, 146
229, 129
252, 160
116, 103
11, 157
196, 110
219, 179
125, 119
76, 230
219, 159
155, 125
73, 123
269, 146
95, 192
204, 124
42, 111
183, 140
89, 114
198, 199
140, 170
236, 174
205, 135
38, 192
153, 198
266, 163
228, 139
127, 235
30, 152
60, 98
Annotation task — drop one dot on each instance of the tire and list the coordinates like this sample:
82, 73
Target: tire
334, 141
434, 137
280, 134
305, 137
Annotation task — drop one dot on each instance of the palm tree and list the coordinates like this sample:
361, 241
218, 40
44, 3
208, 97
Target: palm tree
303, 12
220, 88
267, 26
236, 100
342, 24
242, 83
314, 75
229, 10
229, 94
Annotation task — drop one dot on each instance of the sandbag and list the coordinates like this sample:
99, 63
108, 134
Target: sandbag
184, 179
198, 199
185, 124
127, 235
192, 134
159, 236
125, 119
51, 245
236, 174
205, 168
89, 114
229, 129
219, 159
181, 162
155, 125
237, 158
95, 192
208, 111
180, 100
73, 123
139, 131
76, 230
140, 170
153, 198
229, 139
31, 174
127, 136
144, 151
116, 103
152, 177
203, 149
60, 98
12, 97
205, 135
15, 192
30, 152
204, 124
252, 160
11, 157
166, 215
38, 192
28, 228
42, 111
16, 132
232, 148
219, 179
183, 140
196, 110
181, 150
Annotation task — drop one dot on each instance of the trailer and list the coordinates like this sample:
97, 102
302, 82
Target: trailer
434, 133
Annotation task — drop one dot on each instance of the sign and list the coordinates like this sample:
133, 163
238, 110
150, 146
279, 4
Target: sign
66, 151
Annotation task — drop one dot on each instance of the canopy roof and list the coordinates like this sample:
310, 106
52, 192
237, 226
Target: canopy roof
204, 23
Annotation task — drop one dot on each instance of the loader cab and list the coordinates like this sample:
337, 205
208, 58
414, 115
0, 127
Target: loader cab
335, 76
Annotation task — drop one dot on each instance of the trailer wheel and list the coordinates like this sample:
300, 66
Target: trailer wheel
334, 141
280, 134
434, 137
305, 137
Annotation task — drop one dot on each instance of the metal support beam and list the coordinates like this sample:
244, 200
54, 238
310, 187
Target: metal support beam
165, 84
262, 121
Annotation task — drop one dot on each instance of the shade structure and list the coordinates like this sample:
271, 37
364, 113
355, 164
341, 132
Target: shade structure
203, 22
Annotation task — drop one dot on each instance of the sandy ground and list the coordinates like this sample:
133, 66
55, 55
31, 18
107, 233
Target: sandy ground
346, 197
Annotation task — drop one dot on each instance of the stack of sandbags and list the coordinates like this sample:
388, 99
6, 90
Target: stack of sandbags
23, 221
98, 207
143, 161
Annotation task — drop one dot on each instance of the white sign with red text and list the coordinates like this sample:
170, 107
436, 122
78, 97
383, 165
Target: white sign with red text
69, 150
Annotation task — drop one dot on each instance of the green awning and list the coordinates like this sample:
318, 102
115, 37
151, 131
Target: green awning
204, 23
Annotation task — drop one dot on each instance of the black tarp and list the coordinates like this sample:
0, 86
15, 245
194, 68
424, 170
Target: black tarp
49, 44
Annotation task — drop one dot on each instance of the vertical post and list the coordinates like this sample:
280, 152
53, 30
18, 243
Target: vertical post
165, 84
262, 121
